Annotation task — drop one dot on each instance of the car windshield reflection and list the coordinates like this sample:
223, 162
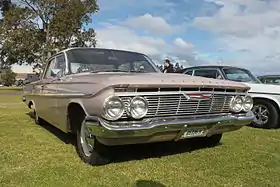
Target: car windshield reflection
106, 60
270, 80
240, 75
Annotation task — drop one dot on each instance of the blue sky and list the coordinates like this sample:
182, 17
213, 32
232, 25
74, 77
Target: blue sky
178, 13
242, 33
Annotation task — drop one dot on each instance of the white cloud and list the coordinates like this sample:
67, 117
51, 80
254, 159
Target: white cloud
248, 28
114, 36
121, 37
109, 5
182, 44
152, 24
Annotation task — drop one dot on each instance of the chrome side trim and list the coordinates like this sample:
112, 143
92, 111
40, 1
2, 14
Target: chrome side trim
62, 94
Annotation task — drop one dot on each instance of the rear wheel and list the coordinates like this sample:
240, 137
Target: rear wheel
266, 114
37, 119
88, 148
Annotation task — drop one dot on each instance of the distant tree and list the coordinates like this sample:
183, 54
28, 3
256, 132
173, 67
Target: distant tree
32, 30
5, 5
8, 77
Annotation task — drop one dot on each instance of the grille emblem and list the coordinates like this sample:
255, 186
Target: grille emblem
198, 97
186, 96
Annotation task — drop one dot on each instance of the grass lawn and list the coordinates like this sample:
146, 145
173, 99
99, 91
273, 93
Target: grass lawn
11, 88
32, 155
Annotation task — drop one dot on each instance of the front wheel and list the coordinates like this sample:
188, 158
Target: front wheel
266, 114
89, 149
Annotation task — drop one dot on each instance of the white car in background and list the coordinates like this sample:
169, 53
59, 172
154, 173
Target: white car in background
266, 97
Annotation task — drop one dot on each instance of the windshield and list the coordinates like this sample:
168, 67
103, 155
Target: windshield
106, 60
270, 80
240, 75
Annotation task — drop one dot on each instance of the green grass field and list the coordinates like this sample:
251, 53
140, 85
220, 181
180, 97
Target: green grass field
32, 155
11, 88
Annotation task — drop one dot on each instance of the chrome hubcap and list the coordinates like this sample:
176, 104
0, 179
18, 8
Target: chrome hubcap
34, 113
261, 114
87, 140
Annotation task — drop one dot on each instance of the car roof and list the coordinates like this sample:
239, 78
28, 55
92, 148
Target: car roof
97, 48
210, 66
267, 76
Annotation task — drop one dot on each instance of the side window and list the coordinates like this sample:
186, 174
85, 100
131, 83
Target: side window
56, 67
208, 73
189, 72
51, 66
61, 63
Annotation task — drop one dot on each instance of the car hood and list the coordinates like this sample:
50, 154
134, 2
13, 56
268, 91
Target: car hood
102, 80
264, 88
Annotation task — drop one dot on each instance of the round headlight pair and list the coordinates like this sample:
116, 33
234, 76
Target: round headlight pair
114, 108
240, 103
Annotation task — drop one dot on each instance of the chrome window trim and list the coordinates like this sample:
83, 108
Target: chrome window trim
54, 57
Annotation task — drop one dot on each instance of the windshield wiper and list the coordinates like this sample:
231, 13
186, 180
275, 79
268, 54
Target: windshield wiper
137, 71
117, 70
108, 70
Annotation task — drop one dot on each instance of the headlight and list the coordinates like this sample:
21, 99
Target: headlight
247, 103
113, 108
138, 107
236, 104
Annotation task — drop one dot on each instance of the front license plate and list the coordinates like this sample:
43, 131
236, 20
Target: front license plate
190, 133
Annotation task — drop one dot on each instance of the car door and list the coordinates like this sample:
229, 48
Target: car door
62, 88
47, 105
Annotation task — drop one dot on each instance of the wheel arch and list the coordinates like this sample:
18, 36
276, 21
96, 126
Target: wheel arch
75, 115
275, 103
272, 100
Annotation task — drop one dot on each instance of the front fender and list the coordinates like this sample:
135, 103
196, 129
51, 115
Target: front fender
274, 98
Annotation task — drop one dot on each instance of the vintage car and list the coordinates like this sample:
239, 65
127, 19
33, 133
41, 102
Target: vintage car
109, 97
266, 97
270, 79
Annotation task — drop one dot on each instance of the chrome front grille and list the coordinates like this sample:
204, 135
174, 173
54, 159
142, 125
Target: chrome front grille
178, 104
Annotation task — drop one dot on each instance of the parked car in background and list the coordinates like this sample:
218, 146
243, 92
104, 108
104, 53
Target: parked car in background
266, 97
111, 97
270, 79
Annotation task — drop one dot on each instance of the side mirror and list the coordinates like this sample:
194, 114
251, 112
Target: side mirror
56, 73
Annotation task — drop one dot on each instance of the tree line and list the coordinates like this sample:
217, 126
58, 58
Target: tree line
33, 30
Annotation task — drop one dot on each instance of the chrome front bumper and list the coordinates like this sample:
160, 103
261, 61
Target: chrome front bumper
164, 129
